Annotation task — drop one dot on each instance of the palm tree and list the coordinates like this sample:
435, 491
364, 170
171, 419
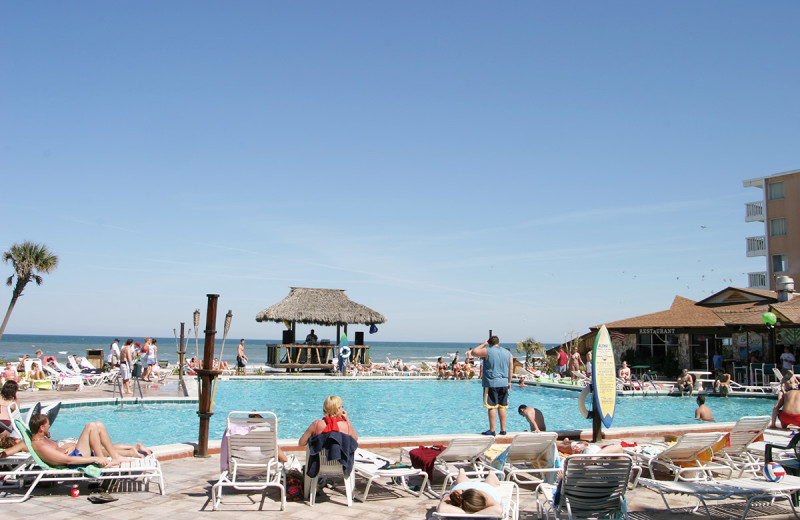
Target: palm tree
530, 346
28, 259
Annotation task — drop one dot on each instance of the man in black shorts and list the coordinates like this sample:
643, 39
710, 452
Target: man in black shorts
241, 360
496, 380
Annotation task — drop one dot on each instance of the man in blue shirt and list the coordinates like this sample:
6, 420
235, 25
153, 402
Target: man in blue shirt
497, 369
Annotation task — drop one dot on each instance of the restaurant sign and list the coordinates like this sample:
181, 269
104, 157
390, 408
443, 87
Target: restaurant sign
656, 331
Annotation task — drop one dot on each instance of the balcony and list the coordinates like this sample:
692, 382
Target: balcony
757, 280
754, 212
756, 246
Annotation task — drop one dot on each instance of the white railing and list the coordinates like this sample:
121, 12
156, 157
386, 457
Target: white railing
754, 211
757, 246
757, 280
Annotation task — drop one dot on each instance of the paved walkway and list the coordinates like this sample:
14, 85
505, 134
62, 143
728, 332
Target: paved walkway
189, 479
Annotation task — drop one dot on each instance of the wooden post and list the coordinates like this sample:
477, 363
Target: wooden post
181, 362
597, 426
206, 376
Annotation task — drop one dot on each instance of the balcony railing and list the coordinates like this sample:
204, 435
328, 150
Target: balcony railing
757, 280
757, 246
754, 211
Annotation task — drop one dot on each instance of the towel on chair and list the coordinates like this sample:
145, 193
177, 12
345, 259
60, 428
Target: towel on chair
423, 458
337, 446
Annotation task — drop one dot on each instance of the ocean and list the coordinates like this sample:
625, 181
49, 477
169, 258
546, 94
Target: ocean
14, 346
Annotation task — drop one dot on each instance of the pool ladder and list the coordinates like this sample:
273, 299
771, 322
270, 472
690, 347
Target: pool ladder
643, 382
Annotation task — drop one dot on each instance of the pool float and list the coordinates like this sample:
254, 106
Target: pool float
51, 411
587, 414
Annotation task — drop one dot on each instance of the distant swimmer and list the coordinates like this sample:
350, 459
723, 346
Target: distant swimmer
534, 416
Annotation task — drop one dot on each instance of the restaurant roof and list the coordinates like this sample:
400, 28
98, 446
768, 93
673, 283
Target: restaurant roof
729, 307
320, 306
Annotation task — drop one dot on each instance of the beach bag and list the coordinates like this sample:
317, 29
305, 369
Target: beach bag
137, 369
294, 485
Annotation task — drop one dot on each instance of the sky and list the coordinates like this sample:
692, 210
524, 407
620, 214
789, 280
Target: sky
534, 168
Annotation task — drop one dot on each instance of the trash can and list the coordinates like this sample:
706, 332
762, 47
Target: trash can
95, 357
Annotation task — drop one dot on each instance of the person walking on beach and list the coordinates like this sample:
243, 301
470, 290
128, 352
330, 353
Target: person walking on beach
241, 360
496, 380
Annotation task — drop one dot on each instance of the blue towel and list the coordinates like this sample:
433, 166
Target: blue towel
338, 446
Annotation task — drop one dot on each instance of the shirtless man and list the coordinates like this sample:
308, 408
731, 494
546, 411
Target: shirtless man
723, 383
703, 412
241, 360
787, 409
93, 446
126, 366
534, 417
686, 382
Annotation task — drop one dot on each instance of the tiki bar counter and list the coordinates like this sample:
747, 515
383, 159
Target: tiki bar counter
323, 307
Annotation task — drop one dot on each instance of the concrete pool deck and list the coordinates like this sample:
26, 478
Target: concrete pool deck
189, 479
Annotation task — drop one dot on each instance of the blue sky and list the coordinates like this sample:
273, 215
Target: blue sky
528, 167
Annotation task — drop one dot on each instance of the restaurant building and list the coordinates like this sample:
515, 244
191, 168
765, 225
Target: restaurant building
687, 334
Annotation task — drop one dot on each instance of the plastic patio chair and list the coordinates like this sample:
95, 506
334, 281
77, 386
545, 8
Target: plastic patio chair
593, 486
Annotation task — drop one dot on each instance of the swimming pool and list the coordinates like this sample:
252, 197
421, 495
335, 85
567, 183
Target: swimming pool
381, 408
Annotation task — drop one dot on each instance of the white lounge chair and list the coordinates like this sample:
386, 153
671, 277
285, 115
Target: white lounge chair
736, 454
752, 489
251, 451
327, 468
372, 467
688, 459
63, 381
529, 457
37, 470
462, 452
593, 486
509, 491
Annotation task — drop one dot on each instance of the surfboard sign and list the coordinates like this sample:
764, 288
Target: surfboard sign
604, 377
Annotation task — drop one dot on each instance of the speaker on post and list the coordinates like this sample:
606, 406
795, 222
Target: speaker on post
288, 337
359, 338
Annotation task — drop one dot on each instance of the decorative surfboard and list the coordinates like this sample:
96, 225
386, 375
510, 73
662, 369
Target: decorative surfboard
604, 377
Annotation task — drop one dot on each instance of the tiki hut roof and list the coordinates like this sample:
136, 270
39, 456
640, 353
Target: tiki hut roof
321, 307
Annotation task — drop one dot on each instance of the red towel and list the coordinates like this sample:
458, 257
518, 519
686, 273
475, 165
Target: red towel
423, 457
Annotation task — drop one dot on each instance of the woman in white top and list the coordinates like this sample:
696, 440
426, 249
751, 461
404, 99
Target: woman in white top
473, 496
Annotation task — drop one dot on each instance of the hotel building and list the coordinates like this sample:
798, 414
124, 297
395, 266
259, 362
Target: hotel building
778, 212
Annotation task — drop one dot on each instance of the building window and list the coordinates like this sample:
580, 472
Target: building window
780, 263
777, 227
775, 190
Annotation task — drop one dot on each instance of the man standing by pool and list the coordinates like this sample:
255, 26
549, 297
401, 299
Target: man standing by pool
496, 380
241, 360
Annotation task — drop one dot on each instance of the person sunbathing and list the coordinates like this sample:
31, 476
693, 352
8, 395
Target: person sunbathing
35, 373
586, 448
93, 446
473, 496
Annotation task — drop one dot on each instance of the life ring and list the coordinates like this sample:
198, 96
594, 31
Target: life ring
582, 402
344, 351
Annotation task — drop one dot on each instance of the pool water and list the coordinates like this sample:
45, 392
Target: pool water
381, 408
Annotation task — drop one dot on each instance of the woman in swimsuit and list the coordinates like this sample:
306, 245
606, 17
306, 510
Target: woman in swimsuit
473, 496
8, 395
575, 361
335, 420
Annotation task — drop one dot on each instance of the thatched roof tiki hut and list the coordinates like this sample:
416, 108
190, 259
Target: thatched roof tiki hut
317, 307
